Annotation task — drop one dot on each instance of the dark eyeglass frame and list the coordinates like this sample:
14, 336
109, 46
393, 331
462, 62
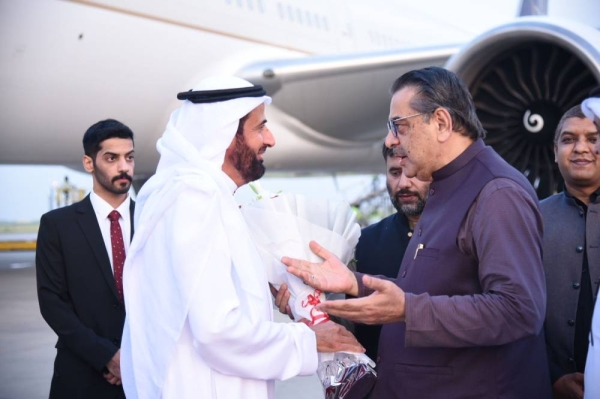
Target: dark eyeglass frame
392, 124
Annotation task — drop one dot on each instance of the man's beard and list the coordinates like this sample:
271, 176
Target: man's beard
245, 160
109, 184
412, 209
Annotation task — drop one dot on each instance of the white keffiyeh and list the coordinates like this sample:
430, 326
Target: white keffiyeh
591, 108
195, 289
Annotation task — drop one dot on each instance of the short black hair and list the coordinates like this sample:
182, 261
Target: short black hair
573, 112
440, 88
595, 92
104, 130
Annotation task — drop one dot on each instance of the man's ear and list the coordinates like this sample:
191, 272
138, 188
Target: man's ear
443, 122
88, 163
555, 154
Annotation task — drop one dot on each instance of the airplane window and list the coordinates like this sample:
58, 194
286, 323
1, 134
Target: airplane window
308, 18
325, 24
261, 6
228, 1
299, 15
280, 9
317, 23
250, 4
290, 12
239, 3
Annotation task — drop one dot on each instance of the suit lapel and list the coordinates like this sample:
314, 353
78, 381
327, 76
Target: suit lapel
89, 225
131, 212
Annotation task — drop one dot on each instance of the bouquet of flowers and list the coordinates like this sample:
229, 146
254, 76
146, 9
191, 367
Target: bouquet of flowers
283, 225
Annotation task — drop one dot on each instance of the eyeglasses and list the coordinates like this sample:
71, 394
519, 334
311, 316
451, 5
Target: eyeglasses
393, 125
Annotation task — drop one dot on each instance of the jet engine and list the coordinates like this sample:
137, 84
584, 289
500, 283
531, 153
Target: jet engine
523, 77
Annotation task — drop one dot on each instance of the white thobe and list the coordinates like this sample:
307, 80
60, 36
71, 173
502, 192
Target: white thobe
591, 379
199, 317
217, 338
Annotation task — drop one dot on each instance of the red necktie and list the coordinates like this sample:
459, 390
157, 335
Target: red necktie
118, 250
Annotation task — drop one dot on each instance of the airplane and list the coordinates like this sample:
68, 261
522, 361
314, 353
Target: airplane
65, 64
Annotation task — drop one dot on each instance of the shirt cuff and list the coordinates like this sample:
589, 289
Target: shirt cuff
417, 317
362, 290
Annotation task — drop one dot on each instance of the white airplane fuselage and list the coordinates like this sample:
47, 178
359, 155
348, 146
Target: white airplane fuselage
65, 65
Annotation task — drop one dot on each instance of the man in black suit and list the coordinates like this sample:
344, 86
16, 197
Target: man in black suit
381, 246
79, 259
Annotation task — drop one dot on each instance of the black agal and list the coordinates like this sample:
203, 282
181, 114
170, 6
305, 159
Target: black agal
213, 96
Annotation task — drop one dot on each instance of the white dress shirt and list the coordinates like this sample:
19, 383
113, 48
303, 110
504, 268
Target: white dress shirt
102, 209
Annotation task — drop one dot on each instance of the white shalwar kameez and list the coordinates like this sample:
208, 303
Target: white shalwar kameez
591, 379
199, 316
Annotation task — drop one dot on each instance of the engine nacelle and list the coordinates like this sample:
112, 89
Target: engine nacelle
523, 77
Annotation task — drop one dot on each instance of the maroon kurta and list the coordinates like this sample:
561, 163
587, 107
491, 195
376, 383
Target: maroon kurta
475, 299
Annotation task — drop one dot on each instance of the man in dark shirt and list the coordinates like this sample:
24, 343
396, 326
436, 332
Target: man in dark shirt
571, 254
464, 317
381, 246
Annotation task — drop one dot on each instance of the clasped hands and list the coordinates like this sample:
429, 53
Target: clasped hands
385, 305
113, 376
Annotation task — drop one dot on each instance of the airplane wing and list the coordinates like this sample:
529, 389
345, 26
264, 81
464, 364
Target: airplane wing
523, 77
336, 106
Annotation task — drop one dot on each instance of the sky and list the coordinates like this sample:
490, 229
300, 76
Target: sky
26, 191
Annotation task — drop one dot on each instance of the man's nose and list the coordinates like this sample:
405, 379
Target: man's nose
404, 182
268, 138
123, 165
391, 140
582, 146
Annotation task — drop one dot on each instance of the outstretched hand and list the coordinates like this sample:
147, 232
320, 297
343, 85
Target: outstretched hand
385, 305
329, 276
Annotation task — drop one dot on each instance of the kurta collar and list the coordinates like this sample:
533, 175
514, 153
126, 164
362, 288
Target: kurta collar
594, 198
460, 161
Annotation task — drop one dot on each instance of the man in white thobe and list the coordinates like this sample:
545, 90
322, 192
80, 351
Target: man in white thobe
591, 109
199, 315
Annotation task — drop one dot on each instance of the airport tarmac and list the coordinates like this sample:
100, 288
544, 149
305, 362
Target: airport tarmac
27, 343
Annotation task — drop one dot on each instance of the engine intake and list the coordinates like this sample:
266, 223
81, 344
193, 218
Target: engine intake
523, 77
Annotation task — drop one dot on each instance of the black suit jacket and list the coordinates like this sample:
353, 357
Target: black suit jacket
78, 299
379, 251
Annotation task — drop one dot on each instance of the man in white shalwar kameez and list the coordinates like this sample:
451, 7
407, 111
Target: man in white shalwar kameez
591, 109
199, 315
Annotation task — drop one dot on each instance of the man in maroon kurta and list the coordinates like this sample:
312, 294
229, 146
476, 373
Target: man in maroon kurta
464, 317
